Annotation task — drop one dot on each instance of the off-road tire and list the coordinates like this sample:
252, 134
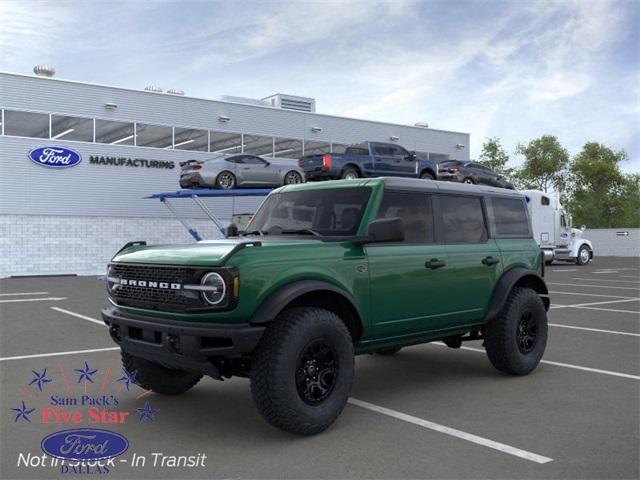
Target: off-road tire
579, 259
277, 361
427, 176
153, 376
350, 173
501, 333
389, 351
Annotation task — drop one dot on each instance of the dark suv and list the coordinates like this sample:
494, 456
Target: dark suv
326, 271
472, 173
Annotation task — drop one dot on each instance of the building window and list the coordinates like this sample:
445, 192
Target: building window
190, 139
258, 145
26, 124
114, 133
157, 136
71, 128
314, 148
287, 148
225, 143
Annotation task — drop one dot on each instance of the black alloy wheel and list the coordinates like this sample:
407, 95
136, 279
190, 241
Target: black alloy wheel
526, 332
317, 372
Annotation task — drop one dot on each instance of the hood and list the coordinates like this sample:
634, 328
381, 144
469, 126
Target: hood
576, 233
206, 253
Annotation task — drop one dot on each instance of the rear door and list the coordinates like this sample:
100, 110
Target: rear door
473, 259
406, 296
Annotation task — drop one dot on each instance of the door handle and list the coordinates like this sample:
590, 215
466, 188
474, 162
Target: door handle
490, 260
434, 263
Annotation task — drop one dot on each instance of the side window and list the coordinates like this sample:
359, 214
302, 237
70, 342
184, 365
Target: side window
398, 151
251, 160
415, 211
235, 160
510, 217
463, 219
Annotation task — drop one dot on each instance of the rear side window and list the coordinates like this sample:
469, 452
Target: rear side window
463, 219
356, 151
510, 217
415, 211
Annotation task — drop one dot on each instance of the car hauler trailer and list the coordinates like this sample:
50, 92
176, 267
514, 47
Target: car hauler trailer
553, 231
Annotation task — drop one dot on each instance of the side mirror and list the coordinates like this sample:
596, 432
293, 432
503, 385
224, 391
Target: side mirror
232, 230
412, 156
583, 228
386, 230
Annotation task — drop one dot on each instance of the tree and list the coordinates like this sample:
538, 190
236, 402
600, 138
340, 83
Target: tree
494, 156
601, 196
545, 164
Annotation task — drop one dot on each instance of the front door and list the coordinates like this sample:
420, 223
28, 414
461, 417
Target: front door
474, 262
255, 171
407, 294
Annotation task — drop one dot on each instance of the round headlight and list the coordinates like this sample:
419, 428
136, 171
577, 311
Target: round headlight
215, 288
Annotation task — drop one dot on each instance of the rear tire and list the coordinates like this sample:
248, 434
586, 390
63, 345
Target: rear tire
225, 180
350, 173
292, 178
155, 377
516, 339
469, 181
302, 370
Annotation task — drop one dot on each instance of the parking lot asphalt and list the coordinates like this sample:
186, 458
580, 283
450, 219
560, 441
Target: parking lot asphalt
427, 412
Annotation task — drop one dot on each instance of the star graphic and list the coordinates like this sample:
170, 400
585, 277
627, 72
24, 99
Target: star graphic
147, 413
85, 373
129, 378
23, 412
39, 379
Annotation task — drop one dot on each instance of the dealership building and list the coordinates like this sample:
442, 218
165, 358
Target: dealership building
129, 144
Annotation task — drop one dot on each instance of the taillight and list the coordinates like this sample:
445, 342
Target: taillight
299, 163
454, 170
196, 167
326, 161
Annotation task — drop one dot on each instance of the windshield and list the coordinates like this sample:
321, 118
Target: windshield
325, 212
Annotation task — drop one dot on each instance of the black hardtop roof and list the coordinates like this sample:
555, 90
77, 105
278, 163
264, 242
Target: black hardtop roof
419, 184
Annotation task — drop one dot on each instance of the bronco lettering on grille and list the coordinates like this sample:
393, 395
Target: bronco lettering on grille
149, 284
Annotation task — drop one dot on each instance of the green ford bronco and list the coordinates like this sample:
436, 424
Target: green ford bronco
326, 271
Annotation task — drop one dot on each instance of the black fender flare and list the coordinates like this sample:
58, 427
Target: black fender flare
278, 300
508, 280
430, 170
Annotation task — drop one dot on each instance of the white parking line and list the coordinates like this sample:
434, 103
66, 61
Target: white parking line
558, 364
56, 354
587, 294
23, 293
485, 442
48, 299
628, 276
606, 280
594, 286
605, 272
598, 330
568, 270
633, 312
587, 304
83, 317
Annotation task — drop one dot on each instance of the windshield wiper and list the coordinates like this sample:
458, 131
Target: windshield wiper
302, 231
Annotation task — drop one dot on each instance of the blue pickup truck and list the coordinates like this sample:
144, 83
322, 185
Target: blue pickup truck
368, 159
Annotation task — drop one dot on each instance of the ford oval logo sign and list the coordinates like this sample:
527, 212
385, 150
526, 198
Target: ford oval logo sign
84, 444
55, 157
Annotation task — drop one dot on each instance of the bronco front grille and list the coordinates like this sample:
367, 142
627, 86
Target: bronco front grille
154, 287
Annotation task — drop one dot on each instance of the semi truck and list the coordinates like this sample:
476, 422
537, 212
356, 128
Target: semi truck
553, 230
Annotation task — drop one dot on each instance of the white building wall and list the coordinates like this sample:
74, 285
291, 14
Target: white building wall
611, 242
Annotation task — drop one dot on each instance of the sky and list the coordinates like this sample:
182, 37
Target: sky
514, 70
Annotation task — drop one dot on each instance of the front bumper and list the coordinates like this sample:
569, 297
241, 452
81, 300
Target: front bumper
181, 345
